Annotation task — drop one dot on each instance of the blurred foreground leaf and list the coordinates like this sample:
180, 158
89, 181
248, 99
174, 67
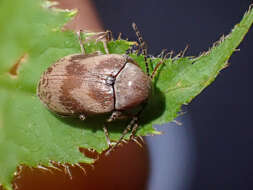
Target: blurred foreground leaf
31, 40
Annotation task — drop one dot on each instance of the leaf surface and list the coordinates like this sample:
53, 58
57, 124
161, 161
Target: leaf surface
32, 39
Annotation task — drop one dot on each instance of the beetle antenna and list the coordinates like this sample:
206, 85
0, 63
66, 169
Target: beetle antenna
143, 46
80, 41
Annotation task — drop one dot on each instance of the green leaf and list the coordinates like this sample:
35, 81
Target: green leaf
32, 39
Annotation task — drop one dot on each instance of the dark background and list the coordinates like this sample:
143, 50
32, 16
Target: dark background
221, 115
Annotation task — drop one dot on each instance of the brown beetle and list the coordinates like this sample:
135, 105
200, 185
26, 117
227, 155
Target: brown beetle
83, 85
93, 84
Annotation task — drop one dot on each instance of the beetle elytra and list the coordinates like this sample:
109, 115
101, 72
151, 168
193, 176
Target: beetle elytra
84, 85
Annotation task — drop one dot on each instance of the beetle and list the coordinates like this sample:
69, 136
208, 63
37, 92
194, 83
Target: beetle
84, 85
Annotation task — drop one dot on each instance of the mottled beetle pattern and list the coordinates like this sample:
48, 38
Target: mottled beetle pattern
84, 85
93, 84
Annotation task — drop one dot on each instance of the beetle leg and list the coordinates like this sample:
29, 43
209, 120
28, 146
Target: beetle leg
105, 37
164, 56
82, 117
107, 135
134, 129
134, 123
128, 128
80, 41
105, 47
117, 115
143, 46
119, 36
133, 49
110, 36
161, 55
114, 116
